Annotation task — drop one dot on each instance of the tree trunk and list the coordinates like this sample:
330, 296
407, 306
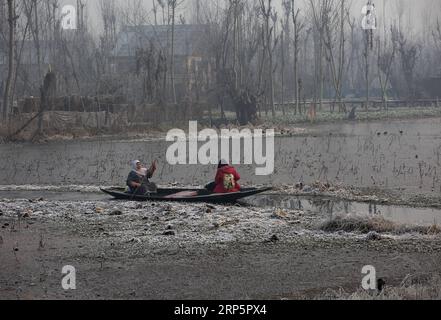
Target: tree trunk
155, 11
172, 56
37, 39
271, 79
271, 67
296, 56
342, 58
266, 10
7, 97
321, 68
283, 72
366, 62
235, 46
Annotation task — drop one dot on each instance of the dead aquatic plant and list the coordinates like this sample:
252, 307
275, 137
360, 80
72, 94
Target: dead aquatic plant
366, 225
411, 288
357, 224
434, 229
41, 243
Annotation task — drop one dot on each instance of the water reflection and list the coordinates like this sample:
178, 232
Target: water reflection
330, 208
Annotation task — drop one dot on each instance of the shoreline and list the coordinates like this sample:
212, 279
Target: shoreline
292, 129
319, 190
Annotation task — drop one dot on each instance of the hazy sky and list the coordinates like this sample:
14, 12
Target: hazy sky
415, 13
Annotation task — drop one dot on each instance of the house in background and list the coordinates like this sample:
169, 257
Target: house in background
189, 57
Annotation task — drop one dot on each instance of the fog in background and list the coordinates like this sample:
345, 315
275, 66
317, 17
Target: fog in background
219, 56
416, 16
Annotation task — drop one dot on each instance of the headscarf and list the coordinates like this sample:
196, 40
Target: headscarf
141, 172
223, 163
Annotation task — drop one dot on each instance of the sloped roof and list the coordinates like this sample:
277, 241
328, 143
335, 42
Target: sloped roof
187, 39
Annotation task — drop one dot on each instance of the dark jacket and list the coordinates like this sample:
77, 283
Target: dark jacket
134, 177
226, 180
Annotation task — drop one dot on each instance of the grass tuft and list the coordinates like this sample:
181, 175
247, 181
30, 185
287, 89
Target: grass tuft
366, 225
410, 288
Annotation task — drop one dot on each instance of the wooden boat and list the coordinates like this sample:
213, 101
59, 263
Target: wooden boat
185, 195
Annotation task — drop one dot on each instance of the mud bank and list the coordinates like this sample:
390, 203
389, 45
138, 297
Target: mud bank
317, 189
321, 199
165, 251
177, 251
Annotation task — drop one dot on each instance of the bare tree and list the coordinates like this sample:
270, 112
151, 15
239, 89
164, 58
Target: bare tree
368, 47
155, 11
298, 27
3, 16
270, 42
172, 7
335, 19
236, 9
7, 97
319, 21
385, 58
351, 69
409, 53
436, 34
31, 12
283, 63
108, 39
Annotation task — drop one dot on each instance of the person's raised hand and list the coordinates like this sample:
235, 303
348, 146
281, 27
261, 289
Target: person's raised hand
154, 166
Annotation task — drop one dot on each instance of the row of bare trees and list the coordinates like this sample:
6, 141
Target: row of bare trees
252, 55
32, 44
319, 51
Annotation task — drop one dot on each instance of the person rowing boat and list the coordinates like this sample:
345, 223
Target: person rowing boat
138, 179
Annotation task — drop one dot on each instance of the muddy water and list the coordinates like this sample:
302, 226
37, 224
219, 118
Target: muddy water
398, 154
330, 208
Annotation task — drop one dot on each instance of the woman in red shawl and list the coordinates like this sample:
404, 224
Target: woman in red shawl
226, 178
